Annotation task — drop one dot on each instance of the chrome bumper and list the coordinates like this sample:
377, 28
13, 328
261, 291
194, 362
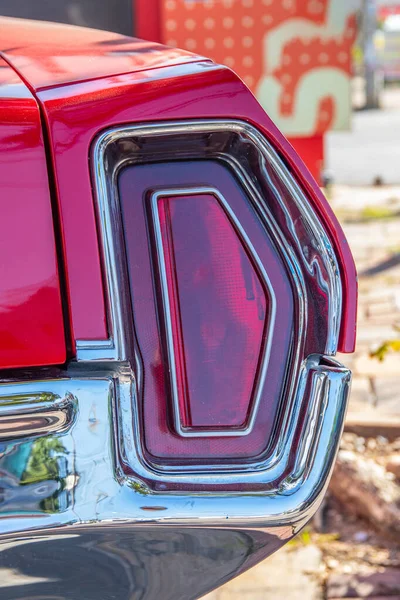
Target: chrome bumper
71, 479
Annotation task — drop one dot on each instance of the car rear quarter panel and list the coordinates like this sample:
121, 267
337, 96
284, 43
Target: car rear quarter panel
31, 323
76, 114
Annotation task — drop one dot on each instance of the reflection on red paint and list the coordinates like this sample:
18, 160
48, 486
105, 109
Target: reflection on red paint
75, 114
49, 54
31, 319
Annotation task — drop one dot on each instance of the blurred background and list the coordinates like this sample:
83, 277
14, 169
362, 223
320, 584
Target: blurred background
328, 74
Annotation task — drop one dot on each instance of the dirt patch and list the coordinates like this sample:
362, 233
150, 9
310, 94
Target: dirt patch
358, 561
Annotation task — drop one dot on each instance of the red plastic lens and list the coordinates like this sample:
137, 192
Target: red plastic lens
216, 313
209, 253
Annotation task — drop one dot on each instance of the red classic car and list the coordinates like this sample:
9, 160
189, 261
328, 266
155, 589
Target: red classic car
173, 289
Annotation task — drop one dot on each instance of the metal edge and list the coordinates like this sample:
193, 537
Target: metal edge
266, 472
38, 412
290, 499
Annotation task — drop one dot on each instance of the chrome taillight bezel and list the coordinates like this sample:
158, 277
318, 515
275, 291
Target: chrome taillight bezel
119, 147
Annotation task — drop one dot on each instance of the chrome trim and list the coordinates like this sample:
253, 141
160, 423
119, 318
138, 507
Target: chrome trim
227, 432
95, 489
107, 205
296, 426
34, 413
99, 350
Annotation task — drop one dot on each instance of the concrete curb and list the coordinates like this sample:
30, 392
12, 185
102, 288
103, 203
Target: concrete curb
373, 425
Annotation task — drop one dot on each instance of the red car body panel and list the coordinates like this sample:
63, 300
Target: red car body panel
32, 326
108, 96
75, 114
78, 466
48, 54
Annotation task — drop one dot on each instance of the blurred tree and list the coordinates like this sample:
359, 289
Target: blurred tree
387, 346
44, 465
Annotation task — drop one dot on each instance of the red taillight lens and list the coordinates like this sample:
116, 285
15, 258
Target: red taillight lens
202, 272
215, 309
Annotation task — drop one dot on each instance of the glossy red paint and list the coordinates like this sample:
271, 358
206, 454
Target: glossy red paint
31, 318
48, 54
77, 113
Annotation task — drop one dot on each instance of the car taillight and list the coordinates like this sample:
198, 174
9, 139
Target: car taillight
227, 289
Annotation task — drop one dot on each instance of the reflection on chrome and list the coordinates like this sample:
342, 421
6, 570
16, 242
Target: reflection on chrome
26, 414
76, 477
79, 475
34, 471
